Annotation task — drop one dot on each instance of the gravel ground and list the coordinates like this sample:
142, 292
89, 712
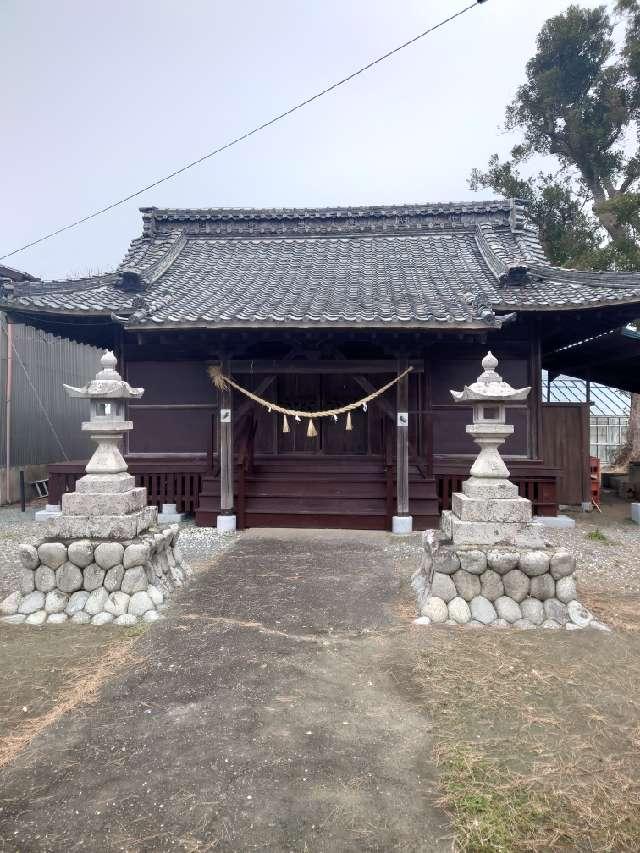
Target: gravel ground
200, 544
15, 527
611, 563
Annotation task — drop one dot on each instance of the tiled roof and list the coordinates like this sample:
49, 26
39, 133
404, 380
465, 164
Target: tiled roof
15, 275
455, 264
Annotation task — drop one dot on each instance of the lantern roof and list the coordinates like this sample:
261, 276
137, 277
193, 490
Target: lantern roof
108, 384
490, 386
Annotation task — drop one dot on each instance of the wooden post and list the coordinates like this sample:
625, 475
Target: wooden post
427, 415
8, 401
534, 403
226, 447
402, 462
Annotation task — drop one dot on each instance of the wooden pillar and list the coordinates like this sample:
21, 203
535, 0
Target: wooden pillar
226, 447
402, 460
534, 402
427, 414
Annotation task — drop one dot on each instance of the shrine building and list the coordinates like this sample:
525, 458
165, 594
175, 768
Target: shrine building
315, 309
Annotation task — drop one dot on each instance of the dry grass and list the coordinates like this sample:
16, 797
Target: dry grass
537, 737
618, 610
82, 686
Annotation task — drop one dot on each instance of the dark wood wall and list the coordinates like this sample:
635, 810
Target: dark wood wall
565, 445
450, 419
177, 414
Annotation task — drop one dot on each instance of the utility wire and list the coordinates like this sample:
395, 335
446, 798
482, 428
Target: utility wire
249, 133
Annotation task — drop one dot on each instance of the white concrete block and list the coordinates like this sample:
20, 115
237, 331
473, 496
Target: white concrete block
555, 520
402, 525
635, 512
170, 514
50, 511
226, 523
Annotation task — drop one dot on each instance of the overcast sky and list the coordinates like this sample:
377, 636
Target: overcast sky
99, 97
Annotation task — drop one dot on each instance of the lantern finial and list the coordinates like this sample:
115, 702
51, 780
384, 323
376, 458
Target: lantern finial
489, 362
108, 360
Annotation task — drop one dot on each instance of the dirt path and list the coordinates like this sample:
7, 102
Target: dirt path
262, 715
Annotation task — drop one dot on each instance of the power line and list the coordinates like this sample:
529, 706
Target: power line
249, 133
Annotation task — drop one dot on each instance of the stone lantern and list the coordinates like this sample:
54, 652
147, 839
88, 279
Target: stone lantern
103, 559
489, 564
489, 509
489, 395
106, 502
107, 394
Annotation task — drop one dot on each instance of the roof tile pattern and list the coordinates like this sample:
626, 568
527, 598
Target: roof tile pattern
362, 280
415, 265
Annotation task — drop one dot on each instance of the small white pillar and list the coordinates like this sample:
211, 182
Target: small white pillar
402, 525
50, 511
170, 514
635, 512
555, 520
226, 524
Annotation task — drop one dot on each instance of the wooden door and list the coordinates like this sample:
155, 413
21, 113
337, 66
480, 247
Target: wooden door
565, 445
304, 392
316, 393
337, 391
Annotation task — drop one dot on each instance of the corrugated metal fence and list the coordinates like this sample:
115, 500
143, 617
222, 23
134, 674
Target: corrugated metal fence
45, 423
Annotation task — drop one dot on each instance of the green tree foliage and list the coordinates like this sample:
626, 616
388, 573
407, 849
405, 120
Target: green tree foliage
580, 104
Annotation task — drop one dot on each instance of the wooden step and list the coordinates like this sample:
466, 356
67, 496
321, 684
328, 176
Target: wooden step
335, 522
339, 493
352, 490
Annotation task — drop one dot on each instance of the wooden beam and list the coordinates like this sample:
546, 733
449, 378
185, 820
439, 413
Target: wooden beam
390, 412
402, 461
319, 366
369, 388
226, 447
263, 385
172, 406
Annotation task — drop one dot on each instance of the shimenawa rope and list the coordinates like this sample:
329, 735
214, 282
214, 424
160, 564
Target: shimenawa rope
222, 382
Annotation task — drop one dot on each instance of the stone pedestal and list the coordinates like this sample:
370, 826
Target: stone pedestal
97, 580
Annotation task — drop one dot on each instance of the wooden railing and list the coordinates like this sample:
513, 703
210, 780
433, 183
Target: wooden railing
179, 481
176, 481
536, 483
